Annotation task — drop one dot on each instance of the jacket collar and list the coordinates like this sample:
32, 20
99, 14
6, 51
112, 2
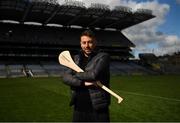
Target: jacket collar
81, 54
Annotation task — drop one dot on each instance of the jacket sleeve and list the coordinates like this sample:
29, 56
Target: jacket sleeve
101, 64
70, 79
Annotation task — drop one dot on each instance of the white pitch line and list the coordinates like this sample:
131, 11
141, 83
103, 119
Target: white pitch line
138, 94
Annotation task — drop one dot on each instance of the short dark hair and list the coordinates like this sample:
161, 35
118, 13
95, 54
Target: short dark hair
88, 33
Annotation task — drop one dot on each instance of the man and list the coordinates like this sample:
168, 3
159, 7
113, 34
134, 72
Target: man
91, 103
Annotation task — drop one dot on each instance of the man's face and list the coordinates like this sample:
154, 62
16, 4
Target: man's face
87, 45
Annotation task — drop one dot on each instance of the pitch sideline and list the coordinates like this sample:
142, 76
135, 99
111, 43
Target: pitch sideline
159, 97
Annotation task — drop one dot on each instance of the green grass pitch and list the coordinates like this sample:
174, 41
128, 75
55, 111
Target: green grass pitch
146, 99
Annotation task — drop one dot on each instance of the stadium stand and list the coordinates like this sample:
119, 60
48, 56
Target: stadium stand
3, 72
36, 70
29, 49
171, 69
49, 40
53, 69
129, 68
15, 70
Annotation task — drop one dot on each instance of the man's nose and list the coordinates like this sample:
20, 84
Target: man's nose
87, 45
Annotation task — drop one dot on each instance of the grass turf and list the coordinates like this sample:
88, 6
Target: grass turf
146, 98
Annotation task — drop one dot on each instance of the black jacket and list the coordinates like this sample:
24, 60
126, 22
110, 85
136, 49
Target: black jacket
97, 69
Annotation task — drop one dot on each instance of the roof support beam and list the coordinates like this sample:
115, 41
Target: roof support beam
29, 6
120, 20
56, 9
99, 18
77, 17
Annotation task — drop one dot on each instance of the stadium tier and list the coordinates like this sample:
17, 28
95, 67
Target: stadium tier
72, 13
20, 40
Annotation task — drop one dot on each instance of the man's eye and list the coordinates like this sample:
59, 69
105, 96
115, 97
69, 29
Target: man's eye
90, 42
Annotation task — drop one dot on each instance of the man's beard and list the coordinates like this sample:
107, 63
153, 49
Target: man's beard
87, 53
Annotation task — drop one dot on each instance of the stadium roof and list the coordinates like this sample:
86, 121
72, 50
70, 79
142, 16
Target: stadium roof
72, 13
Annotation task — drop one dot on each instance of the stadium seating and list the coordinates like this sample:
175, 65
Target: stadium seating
53, 35
3, 72
15, 71
36, 70
129, 68
53, 69
171, 69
